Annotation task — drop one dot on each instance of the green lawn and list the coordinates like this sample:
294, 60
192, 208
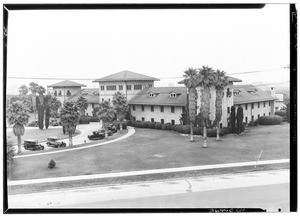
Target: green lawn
155, 149
41, 135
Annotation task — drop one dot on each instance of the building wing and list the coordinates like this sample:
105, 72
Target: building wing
126, 76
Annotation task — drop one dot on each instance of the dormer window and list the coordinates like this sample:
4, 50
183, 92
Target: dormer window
151, 94
173, 95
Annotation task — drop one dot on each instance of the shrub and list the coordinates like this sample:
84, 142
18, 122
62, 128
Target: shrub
197, 130
256, 122
283, 114
167, 126
145, 124
94, 119
185, 129
51, 164
251, 123
158, 125
84, 119
270, 120
124, 125
212, 133
129, 122
152, 125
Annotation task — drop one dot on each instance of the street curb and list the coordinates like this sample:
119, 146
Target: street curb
145, 172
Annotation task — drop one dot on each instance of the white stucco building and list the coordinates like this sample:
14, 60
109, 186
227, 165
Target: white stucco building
64, 89
254, 101
127, 82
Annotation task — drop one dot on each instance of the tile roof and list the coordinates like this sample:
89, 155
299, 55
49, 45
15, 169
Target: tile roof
88, 93
67, 83
126, 76
163, 97
245, 97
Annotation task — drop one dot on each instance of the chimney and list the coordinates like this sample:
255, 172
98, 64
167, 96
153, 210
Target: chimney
273, 92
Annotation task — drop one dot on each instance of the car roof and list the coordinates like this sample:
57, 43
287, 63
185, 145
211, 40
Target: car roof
30, 140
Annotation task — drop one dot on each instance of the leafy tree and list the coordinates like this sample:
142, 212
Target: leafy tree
120, 105
191, 82
239, 119
54, 106
106, 113
82, 104
232, 119
221, 82
206, 80
17, 115
69, 115
23, 90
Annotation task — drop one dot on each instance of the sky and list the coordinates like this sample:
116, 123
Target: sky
90, 44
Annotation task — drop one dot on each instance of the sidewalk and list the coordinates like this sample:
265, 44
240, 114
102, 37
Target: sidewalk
143, 172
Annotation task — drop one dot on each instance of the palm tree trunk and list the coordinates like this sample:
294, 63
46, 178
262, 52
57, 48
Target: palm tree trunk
106, 134
19, 145
218, 131
70, 139
204, 137
191, 132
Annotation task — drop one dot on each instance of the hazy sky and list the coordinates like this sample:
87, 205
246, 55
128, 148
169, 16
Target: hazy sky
158, 43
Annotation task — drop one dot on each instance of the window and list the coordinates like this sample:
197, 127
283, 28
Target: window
228, 93
252, 118
55, 93
172, 122
162, 121
133, 118
264, 104
161, 109
172, 109
128, 87
246, 119
269, 103
151, 95
59, 93
149, 85
143, 119
93, 105
258, 104
228, 110
269, 113
183, 110
258, 116
133, 107
152, 108
68, 93
264, 114
152, 119
102, 87
137, 86
173, 95
252, 105
120, 87
246, 106
111, 87
143, 108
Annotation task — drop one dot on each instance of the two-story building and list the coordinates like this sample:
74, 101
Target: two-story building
159, 104
254, 101
127, 82
64, 89
92, 97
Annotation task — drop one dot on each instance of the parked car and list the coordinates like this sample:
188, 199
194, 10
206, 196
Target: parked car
32, 145
96, 135
53, 142
33, 124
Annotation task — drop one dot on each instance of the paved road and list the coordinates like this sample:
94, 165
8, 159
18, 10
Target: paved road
257, 189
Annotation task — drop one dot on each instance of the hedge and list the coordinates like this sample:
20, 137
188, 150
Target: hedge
84, 119
94, 119
197, 130
270, 120
167, 126
152, 125
283, 114
158, 125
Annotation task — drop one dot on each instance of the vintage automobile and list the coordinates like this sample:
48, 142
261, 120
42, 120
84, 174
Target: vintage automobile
32, 145
53, 142
96, 135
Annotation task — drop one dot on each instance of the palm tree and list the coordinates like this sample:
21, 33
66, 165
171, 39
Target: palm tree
17, 115
33, 87
190, 81
106, 113
54, 106
69, 115
82, 104
120, 105
205, 81
221, 82
41, 106
23, 90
